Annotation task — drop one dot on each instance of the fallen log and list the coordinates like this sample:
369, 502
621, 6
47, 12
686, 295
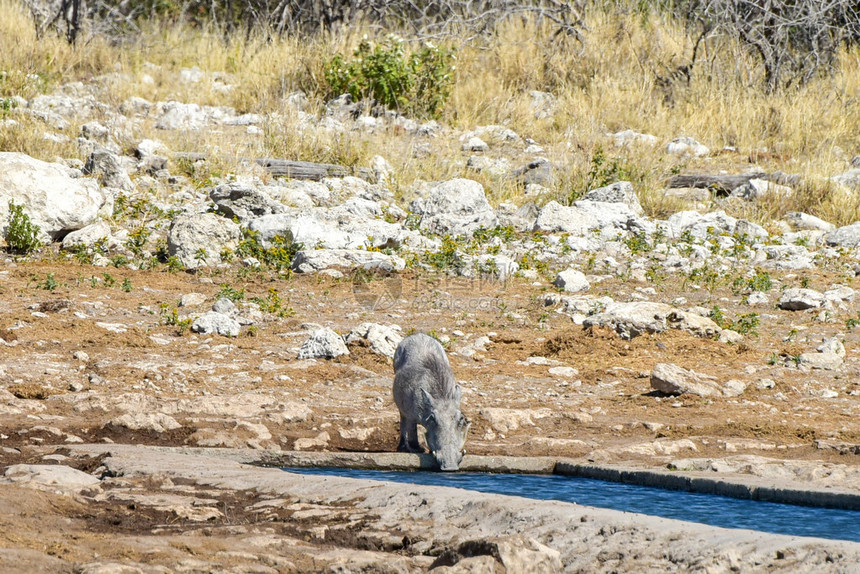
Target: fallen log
720, 183
725, 184
290, 168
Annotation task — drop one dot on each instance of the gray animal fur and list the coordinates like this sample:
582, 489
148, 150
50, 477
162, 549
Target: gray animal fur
427, 394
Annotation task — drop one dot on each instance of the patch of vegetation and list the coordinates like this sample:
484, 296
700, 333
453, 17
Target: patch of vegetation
637, 243
49, 284
170, 316
22, 235
746, 324
228, 292
418, 82
273, 303
761, 281
278, 256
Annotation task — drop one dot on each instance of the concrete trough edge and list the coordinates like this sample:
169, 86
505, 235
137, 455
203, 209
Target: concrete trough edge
734, 487
723, 486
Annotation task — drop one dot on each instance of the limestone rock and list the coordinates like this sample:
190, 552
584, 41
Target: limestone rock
571, 281
554, 217
382, 339
796, 299
674, 380
49, 477
157, 422
244, 201
52, 197
618, 192
632, 319
108, 168
323, 344
198, 240
455, 207
309, 261
214, 322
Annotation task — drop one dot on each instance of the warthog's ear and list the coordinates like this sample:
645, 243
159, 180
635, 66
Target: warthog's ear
458, 393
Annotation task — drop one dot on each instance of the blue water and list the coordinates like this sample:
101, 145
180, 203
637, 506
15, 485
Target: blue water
690, 506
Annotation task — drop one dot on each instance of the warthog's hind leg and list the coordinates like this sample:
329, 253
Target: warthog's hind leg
409, 436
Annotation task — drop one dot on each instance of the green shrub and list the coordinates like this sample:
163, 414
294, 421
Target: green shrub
22, 235
418, 82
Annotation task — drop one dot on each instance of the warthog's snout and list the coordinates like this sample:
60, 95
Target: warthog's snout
448, 464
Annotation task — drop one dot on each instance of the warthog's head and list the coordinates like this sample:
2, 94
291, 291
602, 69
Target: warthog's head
446, 432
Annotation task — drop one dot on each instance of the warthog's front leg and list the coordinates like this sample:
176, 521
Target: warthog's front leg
409, 436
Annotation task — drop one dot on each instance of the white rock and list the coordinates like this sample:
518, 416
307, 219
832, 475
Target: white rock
571, 281
457, 206
796, 299
554, 217
310, 261
323, 343
618, 192
632, 319
381, 338
52, 197
214, 322
49, 477
686, 146
157, 422
674, 380
198, 240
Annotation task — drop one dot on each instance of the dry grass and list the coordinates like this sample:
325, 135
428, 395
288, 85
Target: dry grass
609, 84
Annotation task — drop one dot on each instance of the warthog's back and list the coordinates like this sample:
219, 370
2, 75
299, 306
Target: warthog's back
421, 363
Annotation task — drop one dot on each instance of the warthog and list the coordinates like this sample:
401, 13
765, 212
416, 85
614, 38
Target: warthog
426, 394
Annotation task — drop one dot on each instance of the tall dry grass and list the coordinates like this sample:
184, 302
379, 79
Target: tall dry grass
615, 81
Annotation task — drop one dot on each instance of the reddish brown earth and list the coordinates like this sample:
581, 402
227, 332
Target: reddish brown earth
597, 414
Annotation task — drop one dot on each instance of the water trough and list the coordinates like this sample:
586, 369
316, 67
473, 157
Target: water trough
714, 510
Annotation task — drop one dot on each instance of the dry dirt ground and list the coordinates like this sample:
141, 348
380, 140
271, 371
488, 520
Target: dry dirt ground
74, 336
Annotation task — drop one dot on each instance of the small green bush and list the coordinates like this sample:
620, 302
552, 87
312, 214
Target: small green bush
22, 235
417, 82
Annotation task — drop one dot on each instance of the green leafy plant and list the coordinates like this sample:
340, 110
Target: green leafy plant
126, 285
279, 255
22, 235
227, 292
419, 81
273, 303
49, 284
171, 317
637, 243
